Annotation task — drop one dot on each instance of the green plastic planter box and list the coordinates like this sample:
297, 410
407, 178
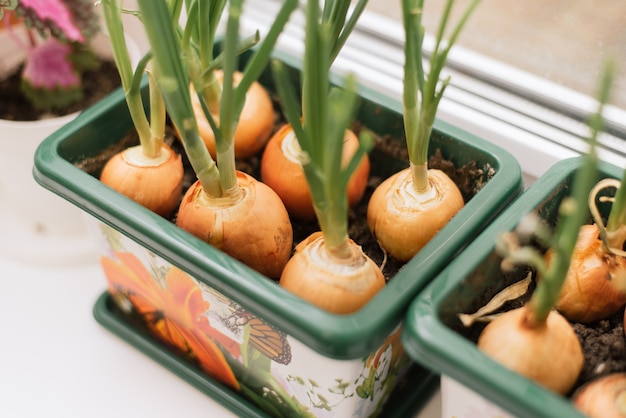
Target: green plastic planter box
472, 384
328, 364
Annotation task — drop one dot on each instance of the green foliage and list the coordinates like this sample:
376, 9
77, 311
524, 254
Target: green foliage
182, 57
423, 90
573, 213
327, 112
50, 99
83, 59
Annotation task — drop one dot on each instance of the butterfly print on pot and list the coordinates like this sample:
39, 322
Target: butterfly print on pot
262, 336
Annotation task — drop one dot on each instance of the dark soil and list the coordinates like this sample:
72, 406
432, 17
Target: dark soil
603, 342
96, 84
604, 347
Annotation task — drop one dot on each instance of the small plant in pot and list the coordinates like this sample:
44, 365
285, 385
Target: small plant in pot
220, 323
539, 296
150, 173
55, 39
55, 64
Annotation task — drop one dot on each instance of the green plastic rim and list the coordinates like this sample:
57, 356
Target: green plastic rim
340, 337
430, 341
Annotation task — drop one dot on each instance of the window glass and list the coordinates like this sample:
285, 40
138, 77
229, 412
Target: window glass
563, 41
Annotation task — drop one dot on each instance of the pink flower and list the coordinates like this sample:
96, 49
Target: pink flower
57, 12
48, 66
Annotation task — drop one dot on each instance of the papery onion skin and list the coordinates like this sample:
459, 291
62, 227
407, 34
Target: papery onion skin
549, 354
255, 229
402, 225
255, 125
603, 397
336, 287
286, 177
595, 285
156, 187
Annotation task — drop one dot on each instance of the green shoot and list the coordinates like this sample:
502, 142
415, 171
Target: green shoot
335, 14
423, 91
327, 113
573, 213
173, 79
617, 215
186, 56
150, 133
613, 234
616, 223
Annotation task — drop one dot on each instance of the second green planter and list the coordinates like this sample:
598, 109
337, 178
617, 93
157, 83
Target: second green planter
472, 383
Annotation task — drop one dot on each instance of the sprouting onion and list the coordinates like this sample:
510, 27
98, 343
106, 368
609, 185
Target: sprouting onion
328, 268
535, 340
131, 82
281, 165
613, 235
411, 206
228, 209
616, 225
151, 173
256, 116
422, 92
603, 397
595, 286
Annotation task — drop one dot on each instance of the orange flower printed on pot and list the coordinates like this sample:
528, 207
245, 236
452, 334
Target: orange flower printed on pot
173, 309
397, 349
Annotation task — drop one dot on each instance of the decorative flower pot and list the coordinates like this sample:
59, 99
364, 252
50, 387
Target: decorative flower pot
472, 384
277, 351
38, 226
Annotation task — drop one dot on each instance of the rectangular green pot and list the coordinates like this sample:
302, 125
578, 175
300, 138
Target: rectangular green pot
318, 340
434, 336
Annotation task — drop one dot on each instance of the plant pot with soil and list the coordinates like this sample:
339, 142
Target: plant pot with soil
38, 226
236, 333
508, 338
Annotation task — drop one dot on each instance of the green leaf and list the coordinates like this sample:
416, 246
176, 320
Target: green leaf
289, 103
421, 95
45, 98
174, 81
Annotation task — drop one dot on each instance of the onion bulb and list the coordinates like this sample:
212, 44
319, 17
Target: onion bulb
155, 183
338, 285
281, 169
403, 220
595, 285
255, 125
250, 224
604, 397
548, 353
